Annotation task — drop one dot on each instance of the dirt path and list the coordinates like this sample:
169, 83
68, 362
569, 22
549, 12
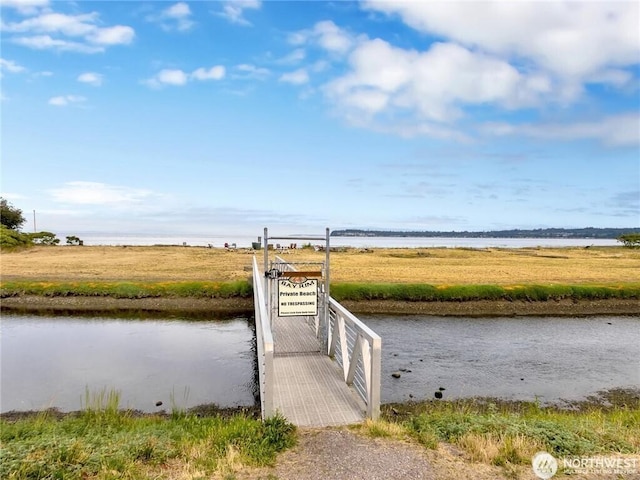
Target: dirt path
341, 454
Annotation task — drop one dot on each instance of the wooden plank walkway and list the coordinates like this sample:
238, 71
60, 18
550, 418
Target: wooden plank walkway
309, 388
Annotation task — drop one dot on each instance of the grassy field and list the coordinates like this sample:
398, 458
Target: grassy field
434, 266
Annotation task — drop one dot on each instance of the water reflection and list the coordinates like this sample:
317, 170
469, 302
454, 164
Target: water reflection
50, 362
511, 358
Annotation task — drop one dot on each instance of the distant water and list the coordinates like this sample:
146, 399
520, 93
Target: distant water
245, 241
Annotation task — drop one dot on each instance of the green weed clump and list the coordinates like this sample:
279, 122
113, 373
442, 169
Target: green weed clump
104, 443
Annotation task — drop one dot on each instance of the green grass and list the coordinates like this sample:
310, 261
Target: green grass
104, 443
340, 291
511, 433
461, 293
241, 289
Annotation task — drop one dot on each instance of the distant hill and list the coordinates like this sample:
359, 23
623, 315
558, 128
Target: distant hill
588, 232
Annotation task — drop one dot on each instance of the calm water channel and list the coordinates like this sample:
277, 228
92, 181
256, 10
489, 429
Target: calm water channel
524, 358
51, 362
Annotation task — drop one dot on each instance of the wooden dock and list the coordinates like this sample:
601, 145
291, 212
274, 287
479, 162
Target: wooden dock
309, 388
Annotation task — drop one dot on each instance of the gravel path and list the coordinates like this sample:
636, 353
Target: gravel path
341, 454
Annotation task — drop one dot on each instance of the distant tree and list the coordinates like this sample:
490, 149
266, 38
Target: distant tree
44, 238
10, 216
631, 240
73, 240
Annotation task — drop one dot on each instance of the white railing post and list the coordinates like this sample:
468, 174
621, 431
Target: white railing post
264, 343
364, 359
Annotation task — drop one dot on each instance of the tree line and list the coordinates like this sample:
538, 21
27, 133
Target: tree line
588, 232
12, 220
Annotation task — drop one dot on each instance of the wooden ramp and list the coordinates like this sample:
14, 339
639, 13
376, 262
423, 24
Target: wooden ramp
309, 388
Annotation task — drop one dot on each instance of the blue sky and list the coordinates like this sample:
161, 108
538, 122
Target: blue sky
224, 117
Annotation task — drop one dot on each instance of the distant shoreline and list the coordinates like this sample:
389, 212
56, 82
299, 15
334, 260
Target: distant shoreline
543, 233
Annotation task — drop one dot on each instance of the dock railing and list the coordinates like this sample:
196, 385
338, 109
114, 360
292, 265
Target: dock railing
354, 346
264, 344
357, 349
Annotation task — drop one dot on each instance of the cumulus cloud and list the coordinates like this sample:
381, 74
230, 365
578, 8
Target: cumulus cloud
246, 71
65, 100
25, 7
177, 77
62, 32
503, 56
298, 77
176, 17
91, 78
172, 77
429, 85
233, 10
213, 73
10, 66
95, 193
327, 35
570, 39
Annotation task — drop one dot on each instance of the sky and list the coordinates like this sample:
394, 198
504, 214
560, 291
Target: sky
225, 117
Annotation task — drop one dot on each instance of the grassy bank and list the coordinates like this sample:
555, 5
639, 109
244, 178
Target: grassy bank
104, 443
341, 292
508, 434
236, 289
461, 293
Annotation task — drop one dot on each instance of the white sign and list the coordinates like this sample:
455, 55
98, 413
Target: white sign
297, 298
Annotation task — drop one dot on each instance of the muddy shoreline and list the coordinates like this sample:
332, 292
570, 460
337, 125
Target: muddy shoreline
231, 307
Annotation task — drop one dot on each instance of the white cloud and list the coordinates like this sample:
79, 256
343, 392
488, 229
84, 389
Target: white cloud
91, 78
615, 130
434, 85
247, 71
76, 33
45, 42
177, 77
296, 56
233, 10
118, 35
64, 100
95, 193
10, 66
327, 35
332, 38
172, 77
573, 40
299, 77
213, 73
25, 7
176, 17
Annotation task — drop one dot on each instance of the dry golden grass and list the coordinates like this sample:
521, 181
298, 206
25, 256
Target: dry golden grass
437, 266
